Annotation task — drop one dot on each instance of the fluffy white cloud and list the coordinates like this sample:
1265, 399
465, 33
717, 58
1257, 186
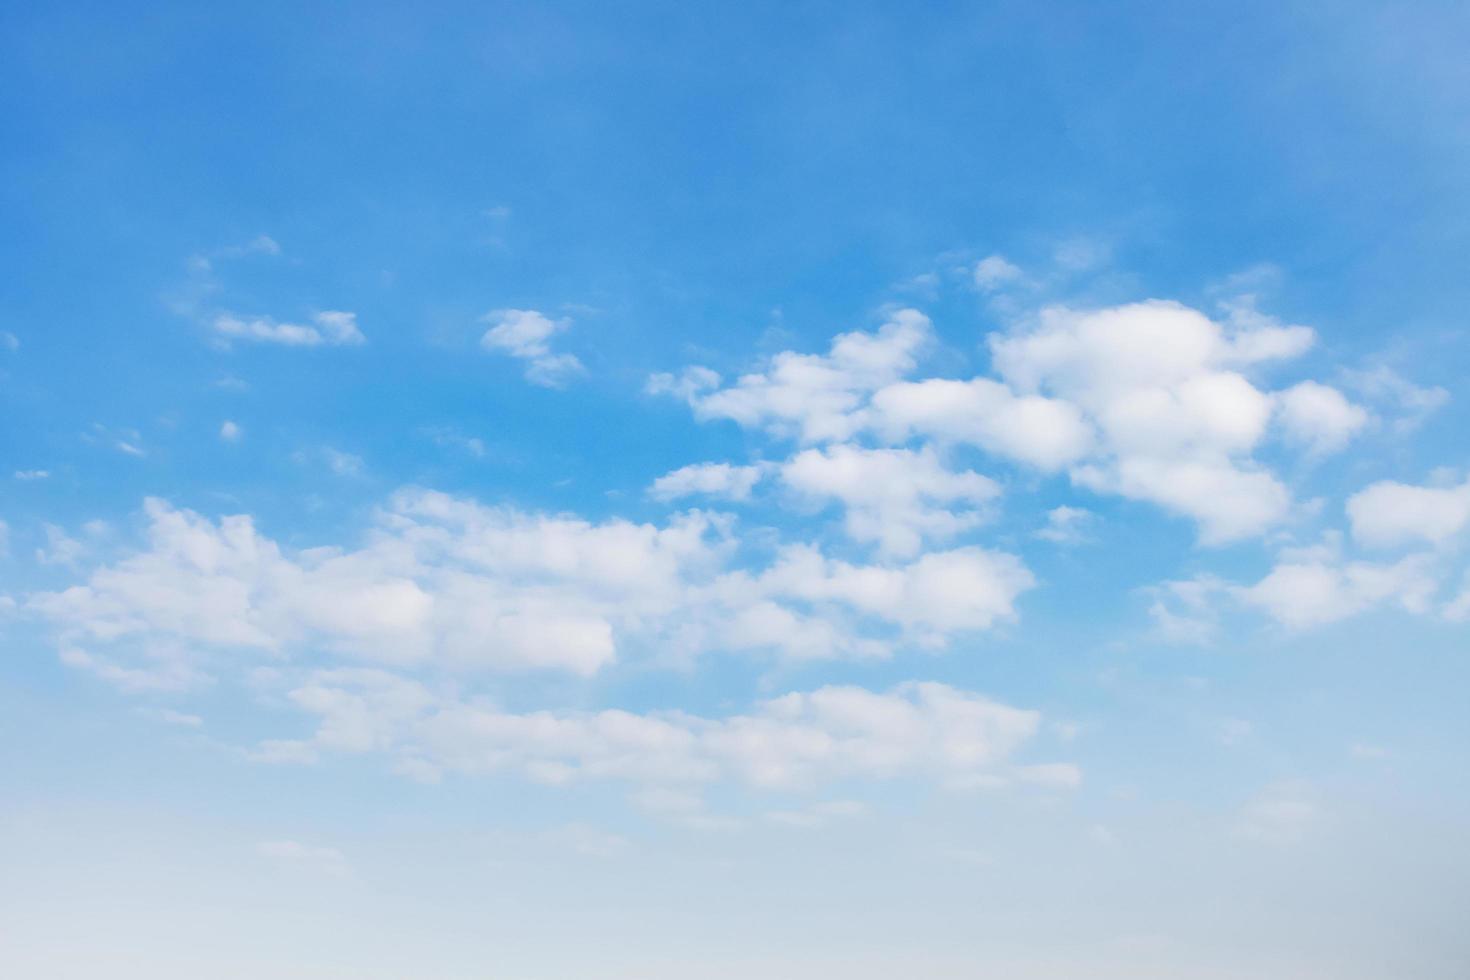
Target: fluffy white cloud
1305, 591
1066, 525
810, 396
230, 431
897, 498
1319, 417
942, 592
1044, 432
796, 741
718, 480
1176, 419
1228, 500
451, 582
1147, 400
332, 328
1389, 513
526, 335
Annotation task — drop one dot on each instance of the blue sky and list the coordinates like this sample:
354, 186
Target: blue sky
800, 490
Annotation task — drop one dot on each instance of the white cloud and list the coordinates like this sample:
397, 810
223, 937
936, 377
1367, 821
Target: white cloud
526, 335
809, 396
230, 431
897, 498
162, 667
1176, 419
28, 475
1229, 501
60, 548
331, 328
9, 340
343, 463
942, 592
1388, 513
171, 717
1148, 400
718, 480
993, 272
795, 741
1458, 608
1045, 432
1319, 417
1307, 591
1407, 404
451, 582
1067, 525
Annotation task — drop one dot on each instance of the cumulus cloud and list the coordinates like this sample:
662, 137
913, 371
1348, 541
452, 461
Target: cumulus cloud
526, 335
329, 328
230, 431
451, 582
897, 498
812, 397
1152, 401
1175, 417
1319, 417
1388, 513
796, 741
720, 481
1316, 592
1304, 589
1044, 432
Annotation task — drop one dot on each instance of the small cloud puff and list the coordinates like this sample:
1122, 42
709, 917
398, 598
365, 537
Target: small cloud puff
330, 328
526, 335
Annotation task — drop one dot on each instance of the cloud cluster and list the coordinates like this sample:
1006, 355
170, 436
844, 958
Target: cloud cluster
800, 740
526, 335
453, 583
1326, 583
1152, 401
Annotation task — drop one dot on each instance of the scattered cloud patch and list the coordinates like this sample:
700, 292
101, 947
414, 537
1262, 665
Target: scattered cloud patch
329, 328
452, 582
1388, 514
1319, 417
895, 498
526, 335
720, 481
993, 272
1067, 525
795, 741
